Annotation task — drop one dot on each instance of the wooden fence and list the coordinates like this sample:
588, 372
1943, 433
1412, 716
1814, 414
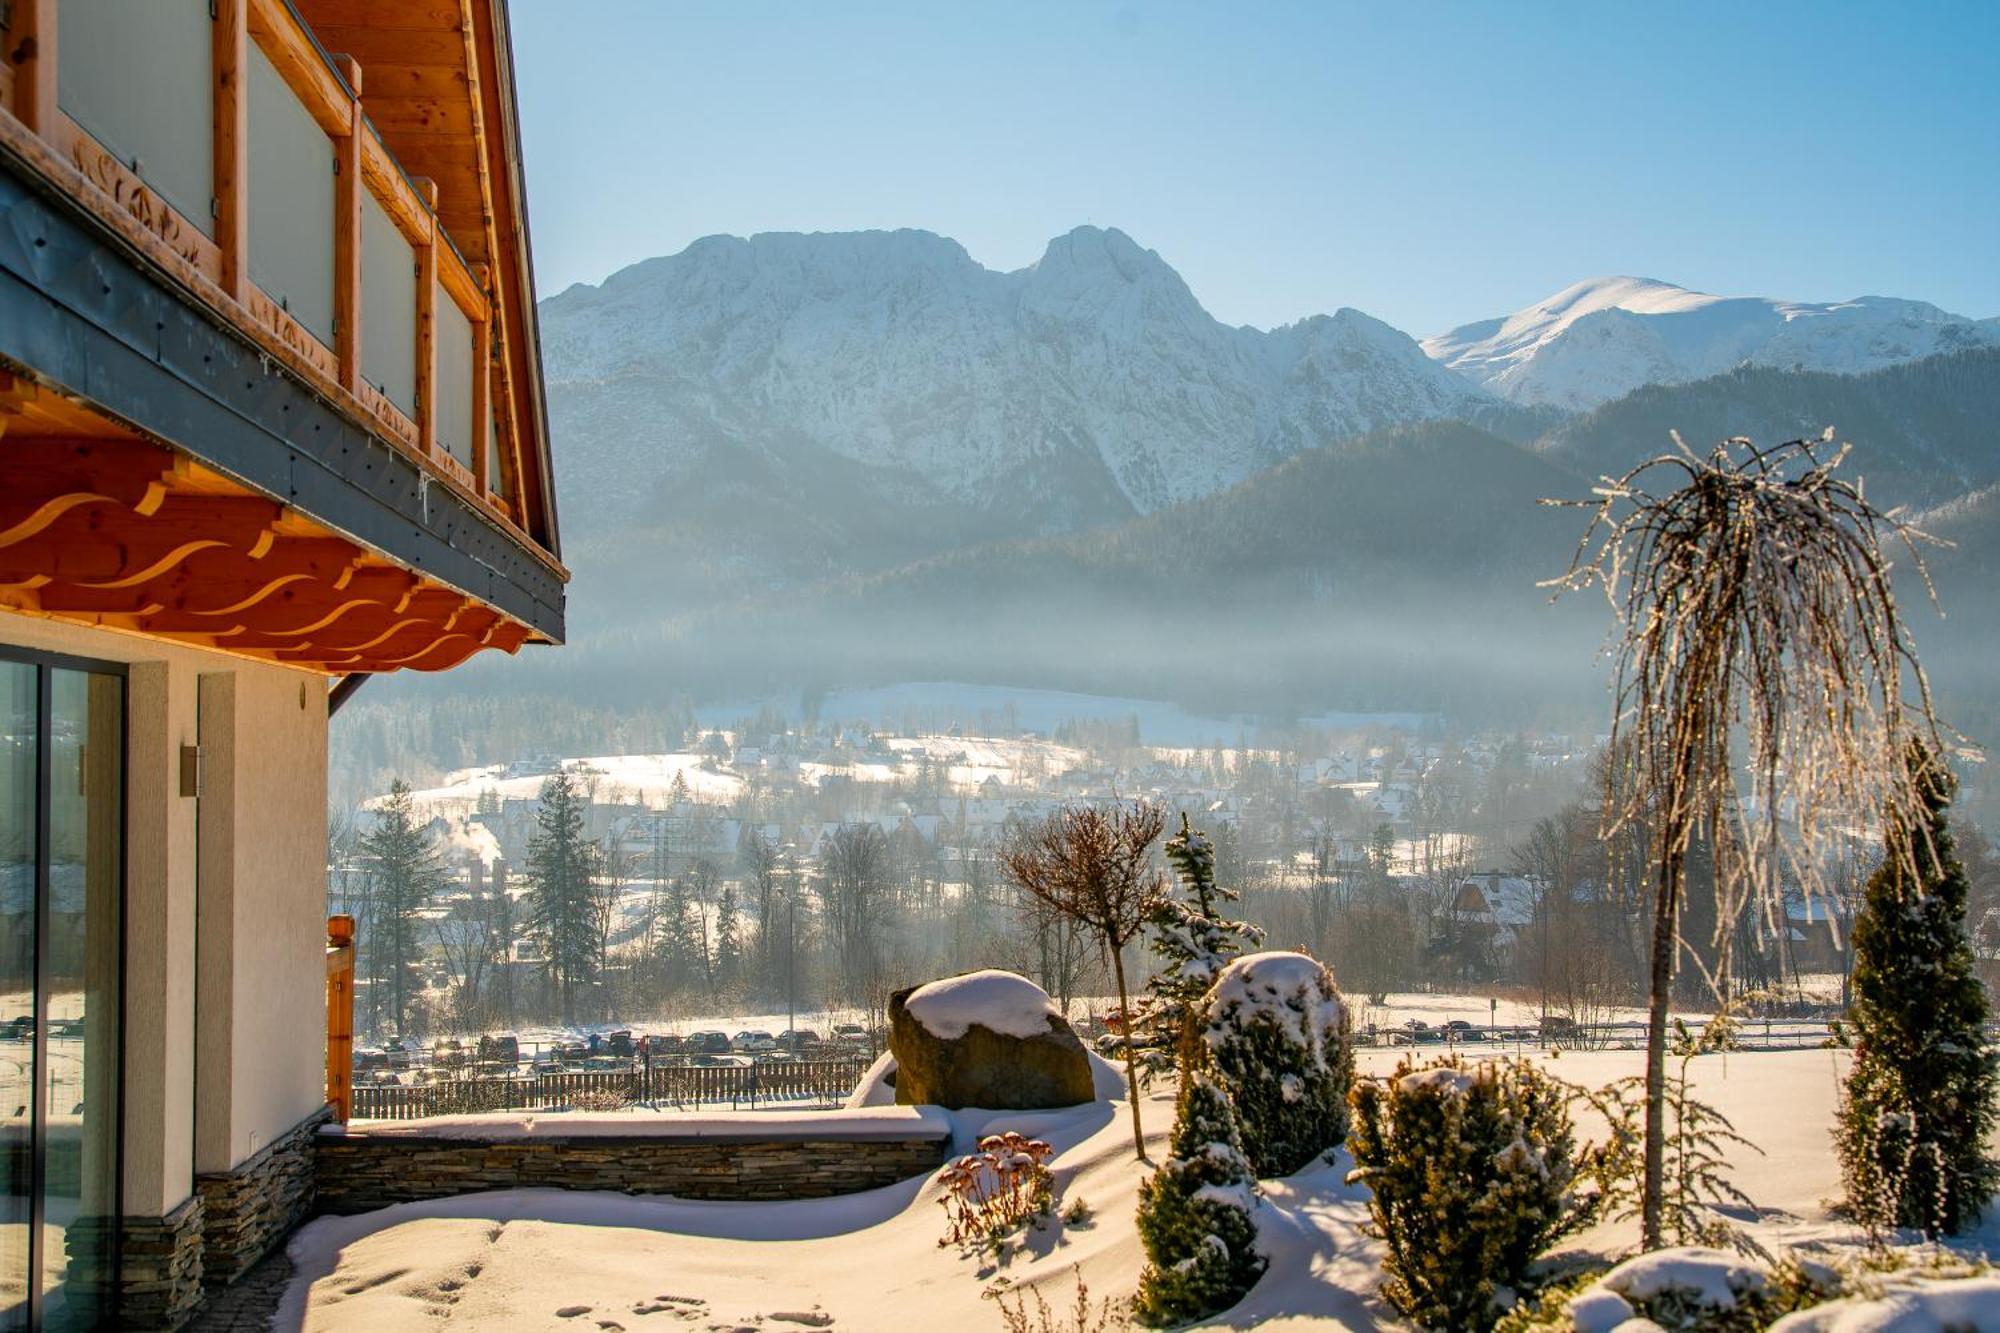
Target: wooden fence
668, 1087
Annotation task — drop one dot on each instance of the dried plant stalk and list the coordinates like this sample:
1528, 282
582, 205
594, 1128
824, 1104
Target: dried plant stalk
1764, 683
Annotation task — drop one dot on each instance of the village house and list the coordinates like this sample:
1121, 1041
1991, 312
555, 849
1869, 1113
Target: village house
271, 422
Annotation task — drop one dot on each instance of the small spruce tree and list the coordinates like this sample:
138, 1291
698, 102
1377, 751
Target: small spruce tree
1919, 1104
1189, 934
1470, 1170
1194, 1212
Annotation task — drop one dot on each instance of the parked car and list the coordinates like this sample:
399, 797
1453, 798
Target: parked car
502, 1049
708, 1043
662, 1043
751, 1042
850, 1034
708, 1060
797, 1039
547, 1067
447, 1053
619, 1043
399, 1054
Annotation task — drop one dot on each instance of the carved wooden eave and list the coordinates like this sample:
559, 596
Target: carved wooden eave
122, 533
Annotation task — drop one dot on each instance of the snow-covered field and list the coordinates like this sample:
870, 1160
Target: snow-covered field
943, 704
550, 1260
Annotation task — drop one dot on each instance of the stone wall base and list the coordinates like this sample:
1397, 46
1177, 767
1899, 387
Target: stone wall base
254, 1205
359, 1172
160, 1285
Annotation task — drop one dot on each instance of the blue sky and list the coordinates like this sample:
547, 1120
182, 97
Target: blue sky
1427, 163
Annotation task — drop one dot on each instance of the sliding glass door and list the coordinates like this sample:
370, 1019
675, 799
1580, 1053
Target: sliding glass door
62, 783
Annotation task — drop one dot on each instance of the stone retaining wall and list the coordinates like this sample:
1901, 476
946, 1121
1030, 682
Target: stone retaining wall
160, 1285
250, 1208
357, 1172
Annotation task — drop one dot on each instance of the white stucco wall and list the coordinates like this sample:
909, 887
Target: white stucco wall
261, 831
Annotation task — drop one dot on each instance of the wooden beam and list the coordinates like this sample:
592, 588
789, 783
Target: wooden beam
291, 48
459, 283
232, 143
482, 404
427, 294
31, 49
340, 1016
48, 477
347, 189
108, 546
399, 199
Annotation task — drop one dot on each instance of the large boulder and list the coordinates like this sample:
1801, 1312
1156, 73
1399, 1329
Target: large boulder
987, 1039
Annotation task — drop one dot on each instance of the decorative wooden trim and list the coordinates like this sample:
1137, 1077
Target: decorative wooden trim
232, 144
281, 36
292, 335
386, 417
347, 188
127, 192
31, 51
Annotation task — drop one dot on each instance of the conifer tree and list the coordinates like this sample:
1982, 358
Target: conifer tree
1194, 1213
728, 942
1920, 1100
1189, 933
563, 865
1281, 1041
405, 875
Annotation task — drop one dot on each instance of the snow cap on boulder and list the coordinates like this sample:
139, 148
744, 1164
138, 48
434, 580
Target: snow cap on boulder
1003, 1002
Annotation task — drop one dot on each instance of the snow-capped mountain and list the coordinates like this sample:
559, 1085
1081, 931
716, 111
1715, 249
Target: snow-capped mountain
1093, 370
1603, 338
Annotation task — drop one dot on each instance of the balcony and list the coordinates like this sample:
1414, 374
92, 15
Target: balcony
234, 160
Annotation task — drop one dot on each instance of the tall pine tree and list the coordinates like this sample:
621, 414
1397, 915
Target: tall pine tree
405, 875
562, 870
1920, 1100
1189, 934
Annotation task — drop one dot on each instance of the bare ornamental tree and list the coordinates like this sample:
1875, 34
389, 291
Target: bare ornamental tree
1760, 706
1093, 865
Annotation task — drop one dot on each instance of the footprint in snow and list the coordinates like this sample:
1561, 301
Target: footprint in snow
572, 1311
810, 1318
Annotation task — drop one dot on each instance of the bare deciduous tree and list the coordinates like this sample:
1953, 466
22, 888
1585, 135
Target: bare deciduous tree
1092, 864
1759, 685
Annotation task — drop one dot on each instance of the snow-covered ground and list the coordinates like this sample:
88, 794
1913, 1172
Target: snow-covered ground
550, 1260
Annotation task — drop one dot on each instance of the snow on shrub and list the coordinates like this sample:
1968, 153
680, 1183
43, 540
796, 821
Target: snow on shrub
1277, 1032
1194, 1213
1472, 1170
1678, 1289
1969, 1305
989, 1193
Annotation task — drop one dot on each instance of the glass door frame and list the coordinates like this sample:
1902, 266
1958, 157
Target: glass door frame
46, 664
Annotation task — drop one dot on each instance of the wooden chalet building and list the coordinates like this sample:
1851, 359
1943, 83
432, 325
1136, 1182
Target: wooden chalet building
271, 421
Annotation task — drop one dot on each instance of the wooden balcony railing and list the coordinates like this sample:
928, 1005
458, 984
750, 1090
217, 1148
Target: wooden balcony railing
453, 416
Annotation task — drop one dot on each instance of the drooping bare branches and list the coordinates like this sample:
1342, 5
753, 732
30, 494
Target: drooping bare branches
1092, 864
1765, 681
